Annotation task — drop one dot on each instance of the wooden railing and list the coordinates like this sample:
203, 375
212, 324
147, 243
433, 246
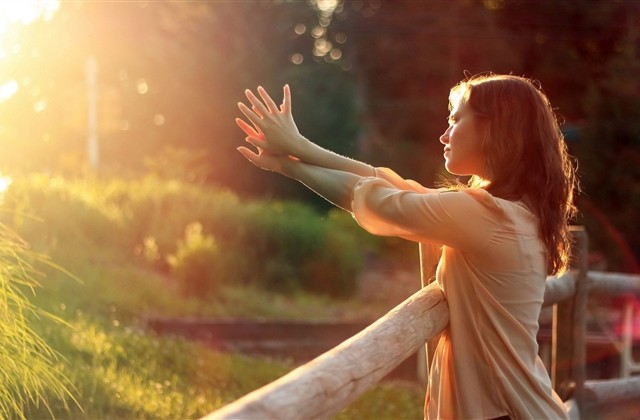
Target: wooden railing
597, 397
327, 384
324, 386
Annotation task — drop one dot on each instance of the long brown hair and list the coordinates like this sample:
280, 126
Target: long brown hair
526, 155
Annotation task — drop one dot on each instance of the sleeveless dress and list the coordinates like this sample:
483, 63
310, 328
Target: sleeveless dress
492, 272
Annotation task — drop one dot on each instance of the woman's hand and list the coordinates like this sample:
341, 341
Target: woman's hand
273, 130
267, 161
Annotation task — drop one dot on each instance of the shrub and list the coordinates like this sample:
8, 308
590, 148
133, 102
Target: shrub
195, 263
279, 246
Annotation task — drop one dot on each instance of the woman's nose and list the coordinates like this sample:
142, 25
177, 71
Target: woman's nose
444, 138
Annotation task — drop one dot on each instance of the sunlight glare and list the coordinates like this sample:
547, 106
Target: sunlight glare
25, 11
8, 89
5, 182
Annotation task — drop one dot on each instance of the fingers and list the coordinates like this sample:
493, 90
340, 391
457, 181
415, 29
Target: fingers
269, 106
258, 113
252, 116
255, 142
250, 131
273, 108
286, 99
250, 155
257, 104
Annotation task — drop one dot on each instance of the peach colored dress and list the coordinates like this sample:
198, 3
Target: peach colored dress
492, 272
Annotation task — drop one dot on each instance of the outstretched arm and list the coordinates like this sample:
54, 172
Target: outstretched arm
334, 185
273, 129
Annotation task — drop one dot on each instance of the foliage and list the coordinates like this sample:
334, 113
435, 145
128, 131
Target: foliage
282, 246
596, 46
383, 99
169, 76
195, 263
117, 369
387, 401
120, 372
30, 370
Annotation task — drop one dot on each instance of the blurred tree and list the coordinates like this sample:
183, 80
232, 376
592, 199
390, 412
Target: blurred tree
169, 77
370, 79
406, 55
589, 58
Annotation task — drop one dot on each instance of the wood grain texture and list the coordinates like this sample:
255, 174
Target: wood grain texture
324, 386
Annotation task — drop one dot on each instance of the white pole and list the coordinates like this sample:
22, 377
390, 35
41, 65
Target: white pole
92, 117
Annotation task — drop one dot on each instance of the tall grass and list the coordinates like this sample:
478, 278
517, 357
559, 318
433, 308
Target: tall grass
30, 369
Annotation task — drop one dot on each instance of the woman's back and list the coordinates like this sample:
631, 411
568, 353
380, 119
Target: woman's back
495, 292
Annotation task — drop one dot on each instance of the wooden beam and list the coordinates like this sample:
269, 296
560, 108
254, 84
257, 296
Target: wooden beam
569, 327
327, 384
607, 391
429, 258
614, 284
612, 398
558, 289
579, 335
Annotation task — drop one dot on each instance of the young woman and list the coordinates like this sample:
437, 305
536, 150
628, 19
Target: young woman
500, 236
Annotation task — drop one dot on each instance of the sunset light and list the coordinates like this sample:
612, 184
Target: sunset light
15, 13
189, 209
25, 11
5, 182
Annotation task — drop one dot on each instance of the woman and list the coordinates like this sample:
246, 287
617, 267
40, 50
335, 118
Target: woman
500, 236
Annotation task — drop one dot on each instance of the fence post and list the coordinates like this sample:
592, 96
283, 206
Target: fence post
429, 257
568, 372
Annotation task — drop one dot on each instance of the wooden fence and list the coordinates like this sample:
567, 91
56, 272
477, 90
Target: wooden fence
327, 384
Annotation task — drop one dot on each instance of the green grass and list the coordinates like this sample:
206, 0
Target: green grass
121, 372
117, 369
29, 374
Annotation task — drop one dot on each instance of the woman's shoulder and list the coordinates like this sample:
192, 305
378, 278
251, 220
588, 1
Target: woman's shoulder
472, 195
483, 196
483, 199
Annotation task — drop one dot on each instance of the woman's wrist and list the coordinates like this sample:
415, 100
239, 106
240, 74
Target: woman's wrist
302, 148
288, 166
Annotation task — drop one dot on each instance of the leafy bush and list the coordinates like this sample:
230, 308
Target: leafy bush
116, 235
195, 263
282, 246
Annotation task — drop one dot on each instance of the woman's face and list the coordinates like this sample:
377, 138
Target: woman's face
463, 142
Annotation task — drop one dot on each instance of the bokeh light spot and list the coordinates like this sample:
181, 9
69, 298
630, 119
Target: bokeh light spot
142, 86
297, 58
327, 5
40, 105
300, 29
317, 31
321, 47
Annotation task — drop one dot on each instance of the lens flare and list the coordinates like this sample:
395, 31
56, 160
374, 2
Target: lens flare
25, 12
